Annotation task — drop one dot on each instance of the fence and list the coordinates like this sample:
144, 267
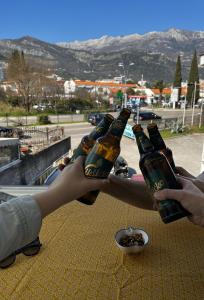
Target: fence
29, 120
40, 137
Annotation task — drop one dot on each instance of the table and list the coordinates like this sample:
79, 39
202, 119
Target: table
80, 260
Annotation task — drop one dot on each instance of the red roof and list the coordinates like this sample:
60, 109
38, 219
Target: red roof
105, 84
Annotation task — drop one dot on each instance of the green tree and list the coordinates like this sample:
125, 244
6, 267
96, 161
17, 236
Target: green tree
193, 81
120, 95
130, 91
178, 76
159, 84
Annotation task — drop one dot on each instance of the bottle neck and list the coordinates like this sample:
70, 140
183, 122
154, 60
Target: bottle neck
156, 139
144, 144
117, 128
101, 129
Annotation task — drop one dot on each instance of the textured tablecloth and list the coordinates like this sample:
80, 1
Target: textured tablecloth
79, 258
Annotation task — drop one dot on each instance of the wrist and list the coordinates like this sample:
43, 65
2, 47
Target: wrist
199, 184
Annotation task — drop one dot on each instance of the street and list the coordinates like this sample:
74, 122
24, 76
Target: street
55, 119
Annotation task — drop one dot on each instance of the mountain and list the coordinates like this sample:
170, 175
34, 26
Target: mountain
154, 54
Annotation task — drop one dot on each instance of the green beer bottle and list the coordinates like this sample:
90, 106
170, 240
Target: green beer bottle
158, 175
159, 144
100, 160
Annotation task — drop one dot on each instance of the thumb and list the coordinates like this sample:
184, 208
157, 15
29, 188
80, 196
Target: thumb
169, 194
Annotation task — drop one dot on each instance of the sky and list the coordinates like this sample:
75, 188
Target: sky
65, 20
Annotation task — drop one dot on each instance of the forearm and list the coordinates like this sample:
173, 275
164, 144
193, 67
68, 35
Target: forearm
200, 176
51, 200
131, 192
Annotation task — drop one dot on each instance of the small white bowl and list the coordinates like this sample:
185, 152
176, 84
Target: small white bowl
128, 232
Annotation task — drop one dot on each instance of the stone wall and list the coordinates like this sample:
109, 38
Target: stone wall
25, 171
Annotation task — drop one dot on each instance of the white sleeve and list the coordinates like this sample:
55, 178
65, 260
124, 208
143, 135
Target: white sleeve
20, 223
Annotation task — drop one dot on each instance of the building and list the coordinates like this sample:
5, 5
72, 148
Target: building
202, 59
9, 86
97, 87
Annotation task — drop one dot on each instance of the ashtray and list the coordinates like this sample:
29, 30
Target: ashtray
131, 240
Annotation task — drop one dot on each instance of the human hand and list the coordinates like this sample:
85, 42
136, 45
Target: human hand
181, 171
72, 183
66, 162
69, 185
190, 197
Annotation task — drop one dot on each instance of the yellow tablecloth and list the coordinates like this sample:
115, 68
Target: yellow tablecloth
79, 258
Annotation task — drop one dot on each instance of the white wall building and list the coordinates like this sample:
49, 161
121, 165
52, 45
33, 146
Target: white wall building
69, 87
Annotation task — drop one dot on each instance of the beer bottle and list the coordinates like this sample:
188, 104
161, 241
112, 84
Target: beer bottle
85, 147
89, 140
159, 144
100, 160
158, 175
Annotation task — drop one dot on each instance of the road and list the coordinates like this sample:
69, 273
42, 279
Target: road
165, 113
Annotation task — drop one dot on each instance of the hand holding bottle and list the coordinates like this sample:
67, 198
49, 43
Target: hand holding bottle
190, 197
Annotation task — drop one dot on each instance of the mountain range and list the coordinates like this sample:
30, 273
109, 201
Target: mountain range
154, 55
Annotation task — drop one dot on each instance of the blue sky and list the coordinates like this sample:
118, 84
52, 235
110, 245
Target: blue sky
65, 20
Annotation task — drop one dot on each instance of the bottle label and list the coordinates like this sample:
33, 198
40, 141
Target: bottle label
158, 175
97, 167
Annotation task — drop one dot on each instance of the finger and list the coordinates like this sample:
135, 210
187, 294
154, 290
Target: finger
169, 194
66, 160
182, 171
80, 161
61, 167
197, 220
184, 181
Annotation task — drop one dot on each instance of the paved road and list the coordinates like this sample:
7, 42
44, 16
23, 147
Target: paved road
165, 113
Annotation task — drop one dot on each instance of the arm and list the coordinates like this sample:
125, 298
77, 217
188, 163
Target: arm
198, 181
70, 185
201, 176
21, 218
129, 191
190, 197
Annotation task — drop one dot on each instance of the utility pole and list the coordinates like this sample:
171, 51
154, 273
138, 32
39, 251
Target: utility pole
184, 109
125, 71
201, 113
202, 161
192, 119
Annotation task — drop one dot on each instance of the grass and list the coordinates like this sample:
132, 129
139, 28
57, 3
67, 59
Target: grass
195, 129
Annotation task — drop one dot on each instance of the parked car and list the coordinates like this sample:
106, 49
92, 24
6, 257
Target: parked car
146, 115
95, 118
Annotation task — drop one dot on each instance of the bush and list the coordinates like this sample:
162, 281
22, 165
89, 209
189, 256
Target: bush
6, 109
43, 119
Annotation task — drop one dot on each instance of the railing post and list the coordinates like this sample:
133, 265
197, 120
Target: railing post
47, 134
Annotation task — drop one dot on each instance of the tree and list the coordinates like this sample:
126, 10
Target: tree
24, 75
193, 78
159, 84
130, 91
178, 76
119, 95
